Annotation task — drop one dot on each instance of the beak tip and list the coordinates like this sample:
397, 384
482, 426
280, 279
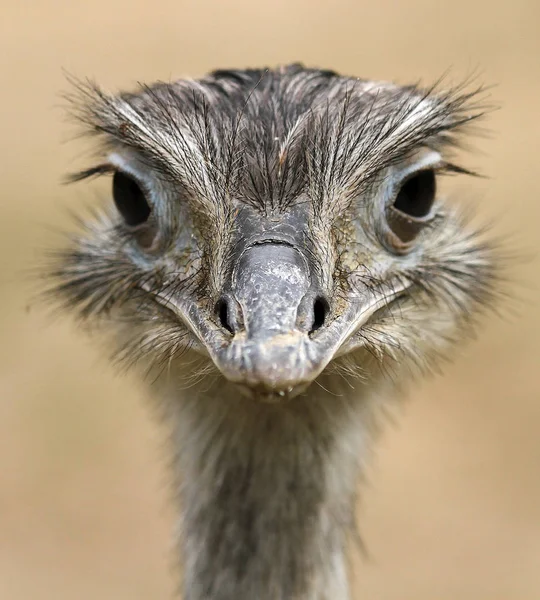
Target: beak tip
273, 369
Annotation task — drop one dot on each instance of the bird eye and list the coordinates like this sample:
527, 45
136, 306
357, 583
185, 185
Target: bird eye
416, 195
411, 208
130, 199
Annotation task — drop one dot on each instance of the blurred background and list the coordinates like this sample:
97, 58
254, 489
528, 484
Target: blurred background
452, 508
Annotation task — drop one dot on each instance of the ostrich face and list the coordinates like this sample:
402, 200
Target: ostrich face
277, 223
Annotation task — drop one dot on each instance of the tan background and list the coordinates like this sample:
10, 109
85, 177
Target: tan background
453, 506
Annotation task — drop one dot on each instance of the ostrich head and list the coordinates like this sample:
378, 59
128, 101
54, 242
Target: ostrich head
278, 223
268, 230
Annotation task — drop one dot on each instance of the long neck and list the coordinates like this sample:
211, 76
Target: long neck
267, 494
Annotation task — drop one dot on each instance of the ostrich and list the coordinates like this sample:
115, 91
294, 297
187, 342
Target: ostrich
276, 259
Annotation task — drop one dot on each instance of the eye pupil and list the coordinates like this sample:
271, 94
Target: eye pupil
130, 199
416, 195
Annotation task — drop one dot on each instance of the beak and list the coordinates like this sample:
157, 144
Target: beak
271, 310
280, 334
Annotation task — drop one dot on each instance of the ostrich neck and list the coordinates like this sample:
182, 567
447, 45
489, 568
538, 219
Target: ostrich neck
267, 494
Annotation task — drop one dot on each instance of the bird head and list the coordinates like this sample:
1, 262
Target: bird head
278, 224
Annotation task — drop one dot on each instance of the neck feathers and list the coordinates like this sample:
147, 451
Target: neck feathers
267, 492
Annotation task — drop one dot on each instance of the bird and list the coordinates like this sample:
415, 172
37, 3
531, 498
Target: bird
276, 261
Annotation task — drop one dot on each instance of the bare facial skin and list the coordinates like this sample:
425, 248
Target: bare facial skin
276, 253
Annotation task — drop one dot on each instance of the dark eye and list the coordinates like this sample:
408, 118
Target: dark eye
407, 215
416, 195
130, 199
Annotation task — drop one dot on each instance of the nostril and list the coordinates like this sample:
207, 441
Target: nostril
320, 310
224, 314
